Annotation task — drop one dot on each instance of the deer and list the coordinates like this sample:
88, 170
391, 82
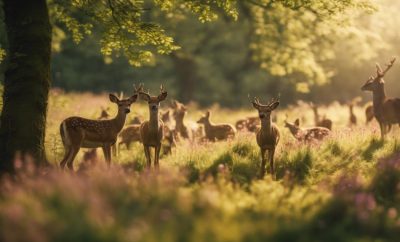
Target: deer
130, 134
369, 113
306, 134
179, 115
152, 130
215, 132
352, 117
268, 135
324, 122
104, 113
77, 132
386, 110
250, 124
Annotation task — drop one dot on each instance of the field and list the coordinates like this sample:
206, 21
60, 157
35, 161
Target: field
345, 188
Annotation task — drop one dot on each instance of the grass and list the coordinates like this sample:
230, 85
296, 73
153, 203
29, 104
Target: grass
346, 188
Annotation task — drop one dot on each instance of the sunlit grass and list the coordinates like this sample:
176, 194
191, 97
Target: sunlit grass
345, 188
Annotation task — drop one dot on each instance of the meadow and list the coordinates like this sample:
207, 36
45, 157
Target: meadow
345, 188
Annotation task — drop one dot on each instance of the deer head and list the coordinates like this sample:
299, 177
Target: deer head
124, 105
264, 110
153, 101
205, 119
296, 124
373, 83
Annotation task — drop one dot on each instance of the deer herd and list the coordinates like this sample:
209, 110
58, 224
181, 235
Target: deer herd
159, 133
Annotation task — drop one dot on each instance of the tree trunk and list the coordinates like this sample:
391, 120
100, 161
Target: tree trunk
26, 82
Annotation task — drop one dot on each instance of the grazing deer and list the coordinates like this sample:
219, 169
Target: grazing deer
369, 113
324, 122
386, 110
77, 132
306, 134
215, 132
129, 134
152, 131
268, 136
104, 113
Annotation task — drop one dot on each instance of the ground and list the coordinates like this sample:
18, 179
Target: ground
345, 188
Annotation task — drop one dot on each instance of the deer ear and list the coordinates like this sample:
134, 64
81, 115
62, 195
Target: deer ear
133, 98
255, 105
297, 122
162, 96
274, 105
113, 98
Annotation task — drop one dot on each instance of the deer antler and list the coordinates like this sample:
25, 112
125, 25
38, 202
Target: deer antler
381, 72
138, 88
388, 66
162, 88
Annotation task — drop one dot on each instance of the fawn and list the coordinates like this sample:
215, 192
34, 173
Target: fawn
268, 136
129, 134
306, 134
152, 131
216, 131
179, 115
324, 122
77, 132
386, 110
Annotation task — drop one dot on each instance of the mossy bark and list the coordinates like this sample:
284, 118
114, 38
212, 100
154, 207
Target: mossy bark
26, 82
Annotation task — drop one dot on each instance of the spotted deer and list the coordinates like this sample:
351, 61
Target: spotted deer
130, 134
214, 131
324, 122
77, 132
268, 135
306, 134
386, 110
152, 130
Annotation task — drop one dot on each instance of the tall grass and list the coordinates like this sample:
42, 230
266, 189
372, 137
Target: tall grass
345, 188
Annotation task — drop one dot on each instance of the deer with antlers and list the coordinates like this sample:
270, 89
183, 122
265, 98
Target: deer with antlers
77, 132
386, 110
268, 135
152, 130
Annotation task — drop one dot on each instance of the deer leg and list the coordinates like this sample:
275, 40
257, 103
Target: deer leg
71, 157
271, 154
148, 157
107, 154
114, 149
66, 155
382, 127
263, 163
157, 156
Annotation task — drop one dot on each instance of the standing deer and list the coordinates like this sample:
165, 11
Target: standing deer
352, 117
216, 131
306, 134
77, 132
369, 113
268, 136
179, 116
386, 110
324, 122
152, 131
